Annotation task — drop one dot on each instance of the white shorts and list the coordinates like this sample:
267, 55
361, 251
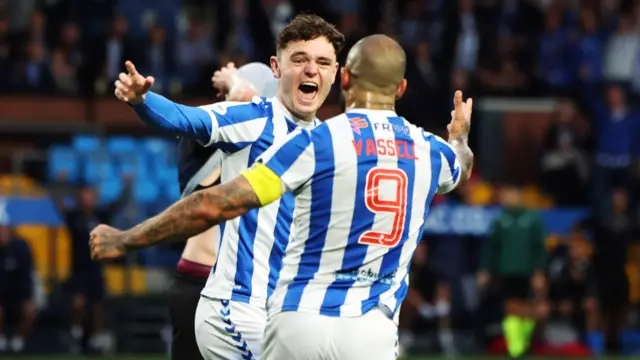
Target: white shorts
301, 336
229, 330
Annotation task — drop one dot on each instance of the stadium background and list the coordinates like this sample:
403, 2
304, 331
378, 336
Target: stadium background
536, 69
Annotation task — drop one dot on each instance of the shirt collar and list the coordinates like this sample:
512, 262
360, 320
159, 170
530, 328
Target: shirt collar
280, 110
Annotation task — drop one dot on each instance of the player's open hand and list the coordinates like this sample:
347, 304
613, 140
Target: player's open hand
132, 87
223, 79
460, 116
228, 82
106, 243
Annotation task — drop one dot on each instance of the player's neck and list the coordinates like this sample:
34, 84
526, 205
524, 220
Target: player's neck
369, 100
307, 118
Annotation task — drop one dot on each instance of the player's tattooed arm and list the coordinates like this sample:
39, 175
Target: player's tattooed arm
460, 145
194, 214
459, 129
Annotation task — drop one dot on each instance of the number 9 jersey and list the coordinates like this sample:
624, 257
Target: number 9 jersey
363, 184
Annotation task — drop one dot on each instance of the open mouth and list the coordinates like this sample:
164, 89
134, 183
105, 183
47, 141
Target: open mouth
308, 90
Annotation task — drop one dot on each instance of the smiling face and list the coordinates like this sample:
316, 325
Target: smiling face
306, 70
305, 63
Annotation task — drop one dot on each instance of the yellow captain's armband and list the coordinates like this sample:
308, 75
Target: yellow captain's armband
264, 182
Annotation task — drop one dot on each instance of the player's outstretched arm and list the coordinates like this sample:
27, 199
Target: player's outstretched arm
191, 215
459, 134
158, 111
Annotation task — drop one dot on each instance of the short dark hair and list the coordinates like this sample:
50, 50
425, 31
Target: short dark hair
306, 27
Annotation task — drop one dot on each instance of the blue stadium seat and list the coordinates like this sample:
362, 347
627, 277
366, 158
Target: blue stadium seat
63, 159
109, 190
156, 146
86, 143
171, 191
135, 164
164, 173
145, 192
121, 145
98, 168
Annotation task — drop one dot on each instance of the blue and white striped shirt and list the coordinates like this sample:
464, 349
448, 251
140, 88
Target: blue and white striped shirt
363, 185
250, 248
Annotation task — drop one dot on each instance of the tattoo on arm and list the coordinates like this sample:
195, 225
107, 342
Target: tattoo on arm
194, 214
460, 144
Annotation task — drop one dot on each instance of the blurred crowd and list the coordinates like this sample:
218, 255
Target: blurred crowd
585, 54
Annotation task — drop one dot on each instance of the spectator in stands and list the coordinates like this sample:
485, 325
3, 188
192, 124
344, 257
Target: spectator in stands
195, 54
428, 300
34, 75
622, 51
554, 65
116, 49
17, 286
613, 128
512, 268
564, 166
612, 235
87, 282
573, 288
64, 75
158, 58
590, 47
5, 53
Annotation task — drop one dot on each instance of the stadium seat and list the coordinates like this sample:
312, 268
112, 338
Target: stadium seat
121, 145
135, 165
86, 143
109, 191
171, 191
63, 159
145, 192
98, 168
155, 146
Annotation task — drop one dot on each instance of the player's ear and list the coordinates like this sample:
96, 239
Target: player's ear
401, 89
333, 80
345, 78
275, 67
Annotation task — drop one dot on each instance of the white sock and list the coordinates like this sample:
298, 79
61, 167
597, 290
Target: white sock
445, 338
3, 342
17, 344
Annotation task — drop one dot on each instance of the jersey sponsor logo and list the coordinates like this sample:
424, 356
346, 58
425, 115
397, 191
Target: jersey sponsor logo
367, 275
391, 127
358, 123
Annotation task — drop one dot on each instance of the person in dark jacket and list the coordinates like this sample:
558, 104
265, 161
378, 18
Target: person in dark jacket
16, 289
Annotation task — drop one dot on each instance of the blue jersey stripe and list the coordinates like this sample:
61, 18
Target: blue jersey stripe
280, 239
436, 165
451, 161
391, 260
249, 224
281, 234
290, 152
362, 219
321, 193
229, 147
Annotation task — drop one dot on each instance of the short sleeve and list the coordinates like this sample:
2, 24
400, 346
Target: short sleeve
235, 125
292, 159
450, 171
